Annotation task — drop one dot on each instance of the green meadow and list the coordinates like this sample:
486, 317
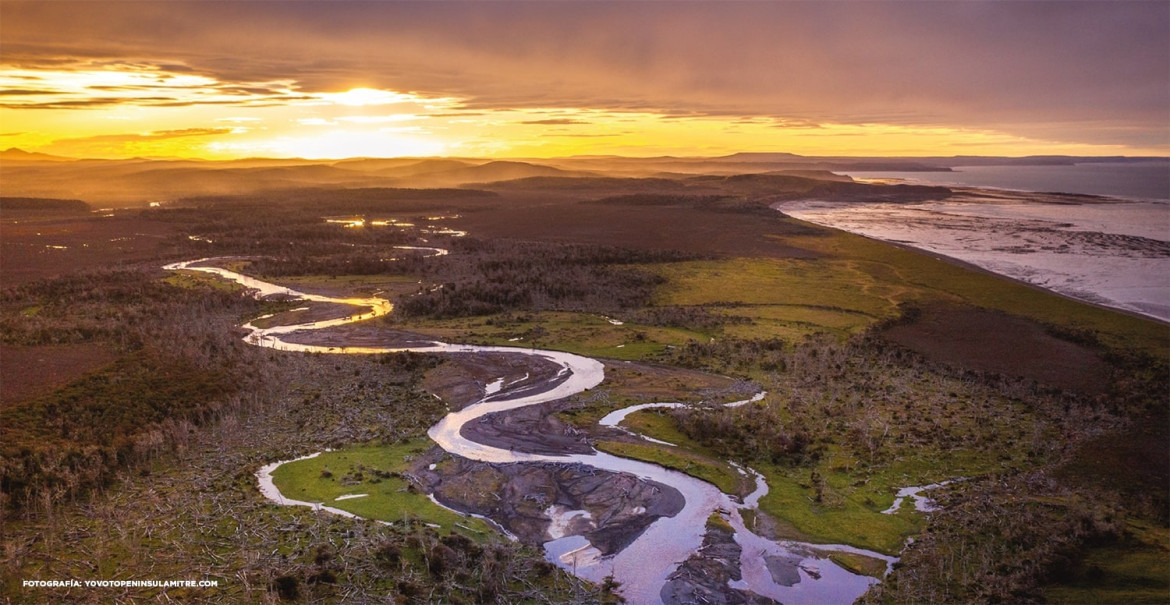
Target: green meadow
374, 470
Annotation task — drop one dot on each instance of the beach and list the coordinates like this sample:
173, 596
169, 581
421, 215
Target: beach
1108, 251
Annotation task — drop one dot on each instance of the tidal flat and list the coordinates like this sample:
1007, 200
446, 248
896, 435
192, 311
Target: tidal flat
1106, 251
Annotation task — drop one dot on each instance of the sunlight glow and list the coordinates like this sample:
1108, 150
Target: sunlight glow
128, 110
89, 87
334, 144
361, 97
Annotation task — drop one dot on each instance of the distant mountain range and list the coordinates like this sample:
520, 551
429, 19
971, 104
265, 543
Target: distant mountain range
140, 180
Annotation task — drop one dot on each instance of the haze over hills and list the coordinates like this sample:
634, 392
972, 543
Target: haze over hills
138, 181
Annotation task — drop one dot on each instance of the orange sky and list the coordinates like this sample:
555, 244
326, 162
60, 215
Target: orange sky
329, 80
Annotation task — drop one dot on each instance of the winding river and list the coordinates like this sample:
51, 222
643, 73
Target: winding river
807, 574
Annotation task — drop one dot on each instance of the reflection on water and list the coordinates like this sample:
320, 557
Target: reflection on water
358, 221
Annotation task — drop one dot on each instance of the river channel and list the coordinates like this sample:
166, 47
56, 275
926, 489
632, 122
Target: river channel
790, 572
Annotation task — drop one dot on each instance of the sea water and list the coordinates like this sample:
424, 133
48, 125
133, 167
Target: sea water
1113, 252
1132, 180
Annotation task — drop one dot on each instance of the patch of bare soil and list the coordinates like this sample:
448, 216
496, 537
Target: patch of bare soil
31, 371
38, 248
655, 228
1134, 464
990, 341
464, 379
531, 429
657, 382
517, 496
358, 335
703, 578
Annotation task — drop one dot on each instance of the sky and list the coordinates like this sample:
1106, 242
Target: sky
333, 79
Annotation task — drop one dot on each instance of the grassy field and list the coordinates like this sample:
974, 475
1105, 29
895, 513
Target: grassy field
853, 284
859, 281
830, 501
909, 275
197, 280
375, 471
1134, 571
717, 473
582, 333
850, 514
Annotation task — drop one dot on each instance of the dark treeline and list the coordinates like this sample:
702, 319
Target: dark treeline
180, 365
739, 202
382, 261
257, 230
486, 277
45, 204
325, 201
770, 187
660, 199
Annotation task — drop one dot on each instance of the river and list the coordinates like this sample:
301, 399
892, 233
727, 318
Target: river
643, 567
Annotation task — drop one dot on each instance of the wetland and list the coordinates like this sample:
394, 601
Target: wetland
526, 390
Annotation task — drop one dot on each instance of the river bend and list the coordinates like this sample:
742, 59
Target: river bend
643, 567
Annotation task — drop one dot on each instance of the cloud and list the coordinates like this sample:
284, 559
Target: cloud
95, 82
156, 143
77, 104
556, 121
399, 117
150, 136
1060, 71
580, 135
12, 92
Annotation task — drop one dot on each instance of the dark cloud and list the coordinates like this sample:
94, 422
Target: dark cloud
456, 114
100, 102
249, 90
153, 136
17, 92
1071, 71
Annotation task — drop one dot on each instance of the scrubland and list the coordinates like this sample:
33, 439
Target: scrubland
140, 464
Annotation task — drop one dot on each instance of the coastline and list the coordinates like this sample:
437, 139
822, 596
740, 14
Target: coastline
1086, 252
1146, 180
958, 262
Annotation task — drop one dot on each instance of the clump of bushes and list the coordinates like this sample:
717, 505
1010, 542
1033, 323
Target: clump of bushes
489, 277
